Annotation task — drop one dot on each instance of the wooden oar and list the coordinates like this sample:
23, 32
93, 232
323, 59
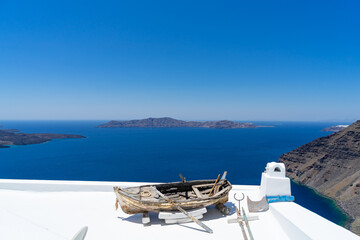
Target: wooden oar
214, 185
224, 175
182, 178
183, 211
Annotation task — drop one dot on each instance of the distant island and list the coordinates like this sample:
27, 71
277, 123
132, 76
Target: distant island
10, 137
335, 128
167, 122
331, 166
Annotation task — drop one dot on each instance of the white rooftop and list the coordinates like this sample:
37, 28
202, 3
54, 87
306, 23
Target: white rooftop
38, 210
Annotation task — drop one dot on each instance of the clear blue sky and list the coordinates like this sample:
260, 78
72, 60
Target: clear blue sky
236, 60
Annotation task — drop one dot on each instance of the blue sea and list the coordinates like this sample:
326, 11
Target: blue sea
160, 154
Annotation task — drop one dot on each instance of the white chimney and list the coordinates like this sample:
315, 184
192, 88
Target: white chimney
274, 181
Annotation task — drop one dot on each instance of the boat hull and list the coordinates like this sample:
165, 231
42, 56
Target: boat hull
131, 205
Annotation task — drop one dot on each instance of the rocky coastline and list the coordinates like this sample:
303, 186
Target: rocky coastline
331, 166
9, 137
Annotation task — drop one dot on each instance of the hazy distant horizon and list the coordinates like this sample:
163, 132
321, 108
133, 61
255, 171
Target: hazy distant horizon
191, 119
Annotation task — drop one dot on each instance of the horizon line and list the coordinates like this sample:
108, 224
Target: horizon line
123, 119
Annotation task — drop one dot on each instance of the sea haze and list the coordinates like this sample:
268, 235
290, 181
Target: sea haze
160, 154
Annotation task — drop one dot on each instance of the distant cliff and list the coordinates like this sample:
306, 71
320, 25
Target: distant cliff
331, 165
14, 137
167, 122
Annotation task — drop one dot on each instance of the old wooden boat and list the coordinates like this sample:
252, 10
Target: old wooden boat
187, 195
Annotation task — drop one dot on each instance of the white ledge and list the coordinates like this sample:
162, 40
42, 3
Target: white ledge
36, 209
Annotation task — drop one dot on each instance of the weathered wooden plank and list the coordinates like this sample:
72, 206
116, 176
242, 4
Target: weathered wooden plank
209, 230
179, 215
222, 191
197, 192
